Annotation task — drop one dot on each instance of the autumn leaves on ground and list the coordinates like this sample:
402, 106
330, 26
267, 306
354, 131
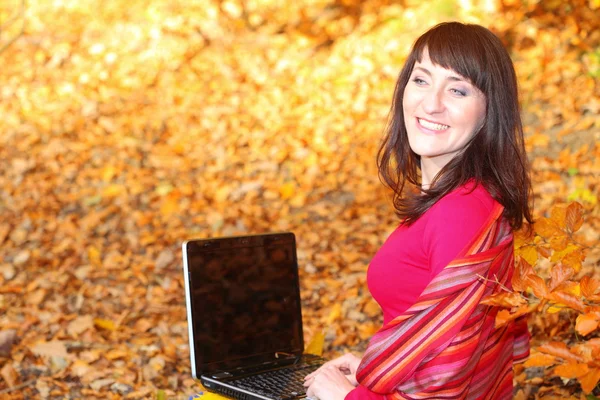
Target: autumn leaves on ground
130, 126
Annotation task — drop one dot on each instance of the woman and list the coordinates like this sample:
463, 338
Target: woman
455, 131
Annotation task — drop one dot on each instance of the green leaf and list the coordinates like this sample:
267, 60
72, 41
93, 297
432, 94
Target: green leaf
572, 171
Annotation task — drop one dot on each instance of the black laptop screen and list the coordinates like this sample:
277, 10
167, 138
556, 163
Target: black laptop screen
244, 300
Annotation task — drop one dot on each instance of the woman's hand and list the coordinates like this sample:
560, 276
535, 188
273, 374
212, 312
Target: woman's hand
347, 364
328, 383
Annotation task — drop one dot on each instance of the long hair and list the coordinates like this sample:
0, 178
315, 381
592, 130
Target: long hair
494, 157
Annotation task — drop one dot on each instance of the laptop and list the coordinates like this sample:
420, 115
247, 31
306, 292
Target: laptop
244, 316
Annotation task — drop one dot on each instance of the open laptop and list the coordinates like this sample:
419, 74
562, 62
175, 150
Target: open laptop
244, 316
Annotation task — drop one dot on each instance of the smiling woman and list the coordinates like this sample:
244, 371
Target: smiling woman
455, 134
442, 112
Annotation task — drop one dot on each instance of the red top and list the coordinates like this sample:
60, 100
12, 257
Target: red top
411, 256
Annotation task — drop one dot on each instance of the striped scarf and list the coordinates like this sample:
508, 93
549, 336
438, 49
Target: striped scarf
445, 345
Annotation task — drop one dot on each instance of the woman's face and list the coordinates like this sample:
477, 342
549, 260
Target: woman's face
442, 111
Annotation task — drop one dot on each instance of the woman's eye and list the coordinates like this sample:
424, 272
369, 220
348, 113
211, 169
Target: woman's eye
459, 92
419, 81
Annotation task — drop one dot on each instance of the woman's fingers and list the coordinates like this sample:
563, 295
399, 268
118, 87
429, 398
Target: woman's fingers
308, 381
343, 363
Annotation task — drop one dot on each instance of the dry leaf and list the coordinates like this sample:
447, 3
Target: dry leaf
586, 323
80, 325
540, 360
10, 376
54, 348
571, 370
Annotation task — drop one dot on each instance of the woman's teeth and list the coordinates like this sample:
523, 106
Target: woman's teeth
432, 125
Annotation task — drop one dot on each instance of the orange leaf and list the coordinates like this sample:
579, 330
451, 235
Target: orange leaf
586, 324
571, 370
590, 380
537, 284
560, 273
544, 251
589, 286
559, 349
545, 228
505, 316
558, 215
522, 269
567, 299
574, 217
558, 243
540, 360
504, 299
574, 259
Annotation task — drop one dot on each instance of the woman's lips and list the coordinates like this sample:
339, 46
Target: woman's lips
431, 126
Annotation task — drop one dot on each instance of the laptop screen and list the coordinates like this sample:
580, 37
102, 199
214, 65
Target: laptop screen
243, 299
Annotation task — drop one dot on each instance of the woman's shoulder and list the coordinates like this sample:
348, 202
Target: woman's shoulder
471, 202
472, 195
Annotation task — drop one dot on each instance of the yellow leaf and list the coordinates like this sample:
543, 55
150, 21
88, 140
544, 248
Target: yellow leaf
336, 312
222, 194
316, 344
287, 190
586, 324
105, 324
574, 289
557, 307
94, 256
558, 255
529, 254
113, 191
108, 173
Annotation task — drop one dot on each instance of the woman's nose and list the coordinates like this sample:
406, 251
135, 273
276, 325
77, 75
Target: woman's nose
433, 102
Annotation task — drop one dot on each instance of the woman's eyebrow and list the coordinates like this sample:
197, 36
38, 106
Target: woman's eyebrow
454, 78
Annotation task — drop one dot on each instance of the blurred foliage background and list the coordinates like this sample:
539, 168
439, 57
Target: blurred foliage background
129, 126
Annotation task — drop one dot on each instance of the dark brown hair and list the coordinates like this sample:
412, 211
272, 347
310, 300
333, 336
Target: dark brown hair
495, 156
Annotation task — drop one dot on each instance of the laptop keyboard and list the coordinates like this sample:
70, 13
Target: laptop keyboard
280, 384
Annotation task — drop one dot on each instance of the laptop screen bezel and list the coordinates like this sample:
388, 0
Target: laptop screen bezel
198, 245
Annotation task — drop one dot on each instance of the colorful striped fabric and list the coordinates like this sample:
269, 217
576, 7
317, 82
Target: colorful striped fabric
445, 346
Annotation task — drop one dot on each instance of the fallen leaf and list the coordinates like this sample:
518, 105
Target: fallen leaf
80, 325
10, 376
586, 324
54, 348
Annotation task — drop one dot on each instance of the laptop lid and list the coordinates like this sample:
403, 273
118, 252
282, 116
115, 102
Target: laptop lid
243, 300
